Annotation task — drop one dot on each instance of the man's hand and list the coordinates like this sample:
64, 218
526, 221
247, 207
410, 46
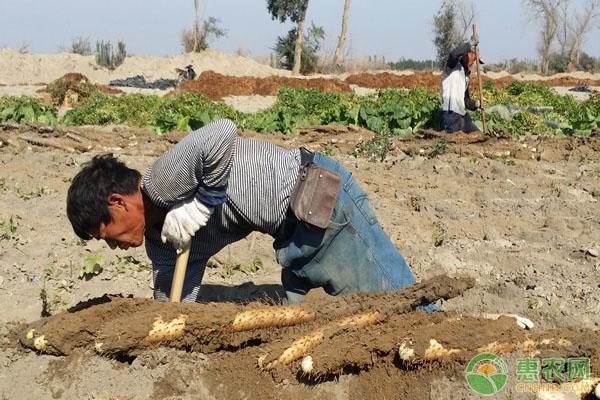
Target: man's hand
183, 221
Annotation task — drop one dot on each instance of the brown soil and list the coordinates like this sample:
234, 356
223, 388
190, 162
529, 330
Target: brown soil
440, 344
217, 86
386, 80
518, 215
431, 81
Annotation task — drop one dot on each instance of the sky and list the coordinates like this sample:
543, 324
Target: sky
391, 28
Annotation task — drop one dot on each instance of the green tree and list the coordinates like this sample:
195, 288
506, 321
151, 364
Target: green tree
451, 26
311, 43
295, 11
210, 31
108, 56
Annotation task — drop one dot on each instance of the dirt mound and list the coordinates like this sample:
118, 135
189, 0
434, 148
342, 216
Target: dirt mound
19, 69
432, 81
217, 86
386, 80
74, 89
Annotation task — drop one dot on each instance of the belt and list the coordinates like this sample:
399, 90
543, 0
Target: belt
306, 156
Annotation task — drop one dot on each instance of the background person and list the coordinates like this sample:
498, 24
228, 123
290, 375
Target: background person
456, 99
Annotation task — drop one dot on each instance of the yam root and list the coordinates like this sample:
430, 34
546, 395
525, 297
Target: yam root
128, 326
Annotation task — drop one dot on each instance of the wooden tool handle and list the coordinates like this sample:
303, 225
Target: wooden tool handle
479, 81
179, 275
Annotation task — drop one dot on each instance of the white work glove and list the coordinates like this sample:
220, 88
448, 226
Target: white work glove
183, 221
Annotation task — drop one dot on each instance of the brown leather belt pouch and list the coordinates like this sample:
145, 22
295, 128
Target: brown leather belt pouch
315, 195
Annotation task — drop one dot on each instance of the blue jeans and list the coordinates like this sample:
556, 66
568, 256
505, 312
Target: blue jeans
352, 254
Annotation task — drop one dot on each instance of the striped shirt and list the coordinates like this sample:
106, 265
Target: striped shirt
258, 176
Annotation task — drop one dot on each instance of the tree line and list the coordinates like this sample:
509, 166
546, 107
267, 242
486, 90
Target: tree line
564, 28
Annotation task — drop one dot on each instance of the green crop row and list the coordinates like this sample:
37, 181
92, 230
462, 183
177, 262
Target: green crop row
22, 110
390, 112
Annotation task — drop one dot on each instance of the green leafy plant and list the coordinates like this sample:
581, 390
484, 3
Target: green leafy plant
506, 161
440, 148
568, 115
253, 266
54, 289
8, 229
24, 109
34, 194
187, 111
438, 236
388, 113
227, 269
184, 112
130, 265
56, 300
375, 149
92, 265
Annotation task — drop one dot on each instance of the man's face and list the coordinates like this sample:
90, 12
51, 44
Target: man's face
127, 225
471, 58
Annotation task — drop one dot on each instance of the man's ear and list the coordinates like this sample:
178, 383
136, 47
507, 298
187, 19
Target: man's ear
117, 200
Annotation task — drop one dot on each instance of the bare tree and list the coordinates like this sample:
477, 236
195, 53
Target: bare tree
342, 38
548, 12
196, 24
563, 33
582, 24
465, 16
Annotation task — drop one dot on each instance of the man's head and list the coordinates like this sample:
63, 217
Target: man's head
467, 60
105, 202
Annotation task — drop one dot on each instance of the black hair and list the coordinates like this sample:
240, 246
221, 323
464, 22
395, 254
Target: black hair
87, 198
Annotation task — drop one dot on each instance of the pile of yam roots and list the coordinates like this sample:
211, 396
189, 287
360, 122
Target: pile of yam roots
320, 338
